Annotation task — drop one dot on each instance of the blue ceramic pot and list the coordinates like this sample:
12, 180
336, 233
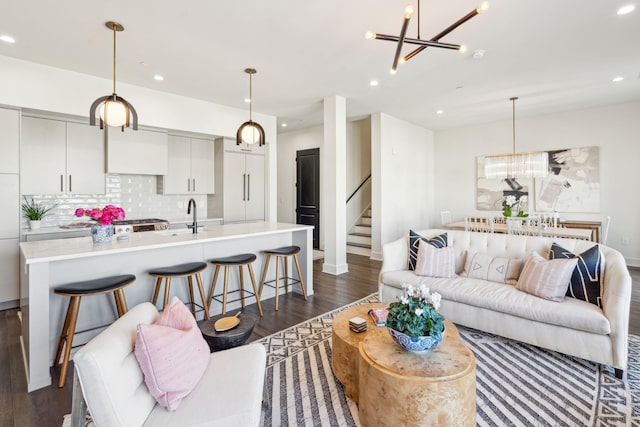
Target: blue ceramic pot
101, 233
418, 345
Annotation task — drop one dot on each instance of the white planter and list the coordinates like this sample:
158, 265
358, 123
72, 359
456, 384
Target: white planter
34, 224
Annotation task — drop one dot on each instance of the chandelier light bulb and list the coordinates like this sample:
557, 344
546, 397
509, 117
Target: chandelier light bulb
370, 35
250, 134
116, 113
408, 11
393, 72
463, 48
484, 6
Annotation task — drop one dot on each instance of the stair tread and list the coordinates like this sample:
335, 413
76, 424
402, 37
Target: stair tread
363, 225
360, 245
360, 234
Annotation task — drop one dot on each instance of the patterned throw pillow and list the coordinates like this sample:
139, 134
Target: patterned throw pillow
435, 262
493, 269
587, 277
414, 241
548, 279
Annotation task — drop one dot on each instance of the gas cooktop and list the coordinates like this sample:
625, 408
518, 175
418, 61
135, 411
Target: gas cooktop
136, 225
140, 221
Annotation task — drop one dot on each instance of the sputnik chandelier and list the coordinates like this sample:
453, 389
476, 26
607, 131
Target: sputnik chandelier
433, 42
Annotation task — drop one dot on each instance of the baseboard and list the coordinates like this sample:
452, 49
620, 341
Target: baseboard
633, 262
376, 256
336, 270
6, 305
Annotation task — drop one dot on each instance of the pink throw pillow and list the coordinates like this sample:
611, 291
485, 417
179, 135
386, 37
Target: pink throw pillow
172, 354
548, 279
435, 262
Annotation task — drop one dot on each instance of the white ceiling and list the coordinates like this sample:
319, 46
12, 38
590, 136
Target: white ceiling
554, 55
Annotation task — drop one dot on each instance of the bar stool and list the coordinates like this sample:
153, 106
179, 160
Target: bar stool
181, 270
76, 291
230, 261
283, 253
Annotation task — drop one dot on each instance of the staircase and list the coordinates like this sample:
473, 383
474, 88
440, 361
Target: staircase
359, 239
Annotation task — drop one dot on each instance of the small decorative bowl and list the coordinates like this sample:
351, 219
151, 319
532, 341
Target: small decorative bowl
416, 345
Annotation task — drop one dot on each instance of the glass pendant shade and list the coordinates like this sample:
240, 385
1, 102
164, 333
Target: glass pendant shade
113, 113
522, 165
250, 133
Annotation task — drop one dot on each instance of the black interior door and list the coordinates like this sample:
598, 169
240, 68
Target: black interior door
308, 191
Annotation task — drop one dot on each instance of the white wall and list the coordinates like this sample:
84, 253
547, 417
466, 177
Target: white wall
615, 129
402, 157
38, 87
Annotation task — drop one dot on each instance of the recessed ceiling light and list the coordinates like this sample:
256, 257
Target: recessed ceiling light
626, 9
284, 125
7, 39
617, 79
373, 83
439, 112
478, 53
158, 77
247, 100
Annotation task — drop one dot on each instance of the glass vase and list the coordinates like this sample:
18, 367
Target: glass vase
101, 233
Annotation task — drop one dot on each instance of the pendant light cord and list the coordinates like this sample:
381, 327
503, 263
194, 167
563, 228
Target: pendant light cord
513, 115
250, 98
418, 19
114, 58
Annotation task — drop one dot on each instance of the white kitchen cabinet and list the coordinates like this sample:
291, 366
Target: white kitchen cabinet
10, 206
61, 158
9, 140
243, 186
9, 279
190, 166
141, 152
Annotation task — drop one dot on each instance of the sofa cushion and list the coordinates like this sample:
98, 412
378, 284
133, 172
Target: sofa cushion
570, 313
548, 279
493, 269
587, 276
172, 354
414, 241
435, 262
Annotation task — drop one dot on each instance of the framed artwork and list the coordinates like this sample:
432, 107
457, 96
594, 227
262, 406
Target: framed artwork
573, 183
491, 193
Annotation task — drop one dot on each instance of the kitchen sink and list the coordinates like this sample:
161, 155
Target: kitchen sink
176, 232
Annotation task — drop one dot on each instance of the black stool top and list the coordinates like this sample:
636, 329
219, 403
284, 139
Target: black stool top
95, 286
286, 250
179, 270
234, 259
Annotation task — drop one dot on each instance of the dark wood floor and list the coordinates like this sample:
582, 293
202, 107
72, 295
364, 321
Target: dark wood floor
46, 407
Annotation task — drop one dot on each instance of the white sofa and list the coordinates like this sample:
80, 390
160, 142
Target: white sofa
109, 379
572, 327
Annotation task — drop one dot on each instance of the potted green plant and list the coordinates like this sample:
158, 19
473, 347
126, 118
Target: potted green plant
34, 212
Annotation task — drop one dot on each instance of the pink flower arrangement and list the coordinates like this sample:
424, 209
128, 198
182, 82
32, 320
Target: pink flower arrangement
104, 216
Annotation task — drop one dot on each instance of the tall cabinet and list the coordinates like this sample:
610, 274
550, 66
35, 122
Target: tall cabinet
10, 207
190, 166
60, 157
240, 180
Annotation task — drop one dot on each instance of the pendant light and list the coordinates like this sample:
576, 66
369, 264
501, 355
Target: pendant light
433, 42
114, 109
250, 132
521, 165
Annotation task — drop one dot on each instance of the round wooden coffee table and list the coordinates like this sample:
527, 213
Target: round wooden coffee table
398, 387
345, 342
226, 339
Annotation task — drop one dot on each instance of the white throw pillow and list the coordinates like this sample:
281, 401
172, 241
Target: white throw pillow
548, 279
435, 262
493, 269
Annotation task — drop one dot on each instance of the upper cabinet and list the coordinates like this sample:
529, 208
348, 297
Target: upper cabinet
57, 157
190, 166
9, 140
142, 152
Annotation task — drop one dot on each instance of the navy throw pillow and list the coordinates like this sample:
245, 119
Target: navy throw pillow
414, 242
586, 279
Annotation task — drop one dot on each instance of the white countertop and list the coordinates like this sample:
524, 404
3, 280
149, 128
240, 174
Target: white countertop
52, 230
80, 247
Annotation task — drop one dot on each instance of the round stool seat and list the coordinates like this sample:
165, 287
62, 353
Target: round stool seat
96, 286
285, 250
234, 259
179, 270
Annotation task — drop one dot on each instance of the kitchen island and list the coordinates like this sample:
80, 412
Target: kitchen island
49, 263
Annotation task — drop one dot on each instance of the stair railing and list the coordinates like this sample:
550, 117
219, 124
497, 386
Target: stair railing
359, 187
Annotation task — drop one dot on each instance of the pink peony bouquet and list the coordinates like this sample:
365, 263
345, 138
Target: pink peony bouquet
104, 216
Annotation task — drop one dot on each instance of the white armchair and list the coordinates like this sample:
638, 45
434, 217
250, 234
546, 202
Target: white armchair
109, 382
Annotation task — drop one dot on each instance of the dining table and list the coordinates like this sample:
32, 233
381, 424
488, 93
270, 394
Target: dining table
550, 231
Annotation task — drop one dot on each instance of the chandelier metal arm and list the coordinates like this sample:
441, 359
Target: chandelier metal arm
423, 43
442, 33
403, 33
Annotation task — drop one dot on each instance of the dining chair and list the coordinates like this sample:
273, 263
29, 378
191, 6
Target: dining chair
529, 226
482, 225
605, 230
445, 217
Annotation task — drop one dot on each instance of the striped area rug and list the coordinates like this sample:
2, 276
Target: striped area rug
517, 384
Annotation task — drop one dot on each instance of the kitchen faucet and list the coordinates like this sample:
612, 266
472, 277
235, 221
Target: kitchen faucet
193, 226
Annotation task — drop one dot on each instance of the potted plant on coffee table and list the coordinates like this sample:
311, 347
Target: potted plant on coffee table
34, 212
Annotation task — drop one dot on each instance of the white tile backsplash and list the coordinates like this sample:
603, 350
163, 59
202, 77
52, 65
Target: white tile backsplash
136, 194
